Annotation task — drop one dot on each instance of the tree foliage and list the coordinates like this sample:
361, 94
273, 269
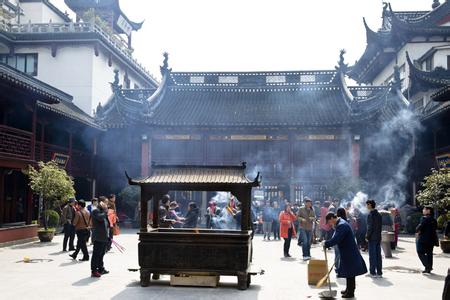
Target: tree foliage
52, 183
435, 189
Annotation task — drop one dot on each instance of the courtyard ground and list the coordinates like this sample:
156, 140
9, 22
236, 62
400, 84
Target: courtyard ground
52, 274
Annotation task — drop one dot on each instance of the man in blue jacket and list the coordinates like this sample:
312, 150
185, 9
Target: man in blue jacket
351, 262
373, 237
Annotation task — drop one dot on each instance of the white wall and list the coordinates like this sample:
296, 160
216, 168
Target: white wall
38, 12
103, 75
70, 71
415, 51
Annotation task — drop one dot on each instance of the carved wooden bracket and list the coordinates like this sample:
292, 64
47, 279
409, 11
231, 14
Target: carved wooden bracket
54, 49
96, 49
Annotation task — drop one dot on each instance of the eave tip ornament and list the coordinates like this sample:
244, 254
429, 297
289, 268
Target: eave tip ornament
115, 84
165, 67
341, 65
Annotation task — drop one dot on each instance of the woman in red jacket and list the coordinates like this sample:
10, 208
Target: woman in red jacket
287, 228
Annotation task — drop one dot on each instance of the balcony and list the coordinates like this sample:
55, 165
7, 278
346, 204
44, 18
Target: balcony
113, 40
15, 143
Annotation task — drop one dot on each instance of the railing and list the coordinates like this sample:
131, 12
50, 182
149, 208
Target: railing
15, 142
113, 40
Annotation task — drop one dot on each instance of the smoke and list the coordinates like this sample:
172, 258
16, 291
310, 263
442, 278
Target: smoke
392, 147
221, 198
358, 202
225, 220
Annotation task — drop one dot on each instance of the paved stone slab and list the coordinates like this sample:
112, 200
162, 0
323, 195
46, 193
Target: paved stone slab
54, 275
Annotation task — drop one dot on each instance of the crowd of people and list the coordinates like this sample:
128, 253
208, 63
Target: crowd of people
98, 222
349, 231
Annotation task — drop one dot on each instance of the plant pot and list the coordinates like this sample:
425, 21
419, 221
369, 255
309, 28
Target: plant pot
46, 236
445, 246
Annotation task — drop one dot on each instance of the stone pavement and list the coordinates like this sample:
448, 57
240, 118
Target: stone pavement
54, 275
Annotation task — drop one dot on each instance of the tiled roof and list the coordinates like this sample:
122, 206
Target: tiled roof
196, 175
425, 80
398, 28
250, 99
260, 99
22, 80
70, 110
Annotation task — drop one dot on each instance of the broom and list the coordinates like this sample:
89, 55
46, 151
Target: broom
330, 294
324, 278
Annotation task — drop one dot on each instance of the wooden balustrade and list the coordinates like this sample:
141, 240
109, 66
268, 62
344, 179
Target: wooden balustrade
15, 143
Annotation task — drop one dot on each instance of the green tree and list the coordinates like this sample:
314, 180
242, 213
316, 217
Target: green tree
435, 190
52, 183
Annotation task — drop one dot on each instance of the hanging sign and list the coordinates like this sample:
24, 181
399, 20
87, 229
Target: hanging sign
123, 24
60, 159
443, 161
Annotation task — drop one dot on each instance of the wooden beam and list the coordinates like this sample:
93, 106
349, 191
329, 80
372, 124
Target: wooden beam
144, 213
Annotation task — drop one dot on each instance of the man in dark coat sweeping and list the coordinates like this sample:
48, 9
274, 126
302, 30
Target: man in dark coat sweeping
352, 264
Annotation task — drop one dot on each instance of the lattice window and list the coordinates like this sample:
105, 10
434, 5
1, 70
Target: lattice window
363, 93
308, 78
197, 79
228, 79
275, 79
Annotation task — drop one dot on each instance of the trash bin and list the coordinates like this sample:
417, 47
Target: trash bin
386, 239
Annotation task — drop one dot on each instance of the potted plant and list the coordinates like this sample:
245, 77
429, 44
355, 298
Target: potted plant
53, 186
436, 192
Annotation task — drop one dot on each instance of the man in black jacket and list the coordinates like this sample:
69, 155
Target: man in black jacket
373, 237
100, 237
426, 238
190, 221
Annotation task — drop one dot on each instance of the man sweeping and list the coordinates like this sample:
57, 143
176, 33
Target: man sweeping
351, 262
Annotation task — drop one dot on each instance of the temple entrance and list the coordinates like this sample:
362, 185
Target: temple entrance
14, 197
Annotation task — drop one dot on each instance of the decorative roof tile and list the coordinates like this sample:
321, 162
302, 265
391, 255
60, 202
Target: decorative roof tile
179, 174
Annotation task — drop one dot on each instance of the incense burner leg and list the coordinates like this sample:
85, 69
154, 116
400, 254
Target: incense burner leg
145, 277
243, 280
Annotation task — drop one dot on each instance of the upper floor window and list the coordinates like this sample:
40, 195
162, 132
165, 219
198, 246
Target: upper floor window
428, 64
26, 63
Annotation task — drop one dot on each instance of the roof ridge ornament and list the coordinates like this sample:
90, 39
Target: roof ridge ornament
397, 82
115, 86
342, 67
435, 4
165, 67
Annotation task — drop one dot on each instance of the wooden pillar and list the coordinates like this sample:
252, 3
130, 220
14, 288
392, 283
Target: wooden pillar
70, 152
204, 204
41, 150
144, 210
355, 159
145, 156
205, 139
129, 41
245, 197
155, 218
29, 207
33, 137
93, 173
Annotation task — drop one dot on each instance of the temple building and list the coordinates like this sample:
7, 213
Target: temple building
40, 40
300, 129
417, 43
39, 123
